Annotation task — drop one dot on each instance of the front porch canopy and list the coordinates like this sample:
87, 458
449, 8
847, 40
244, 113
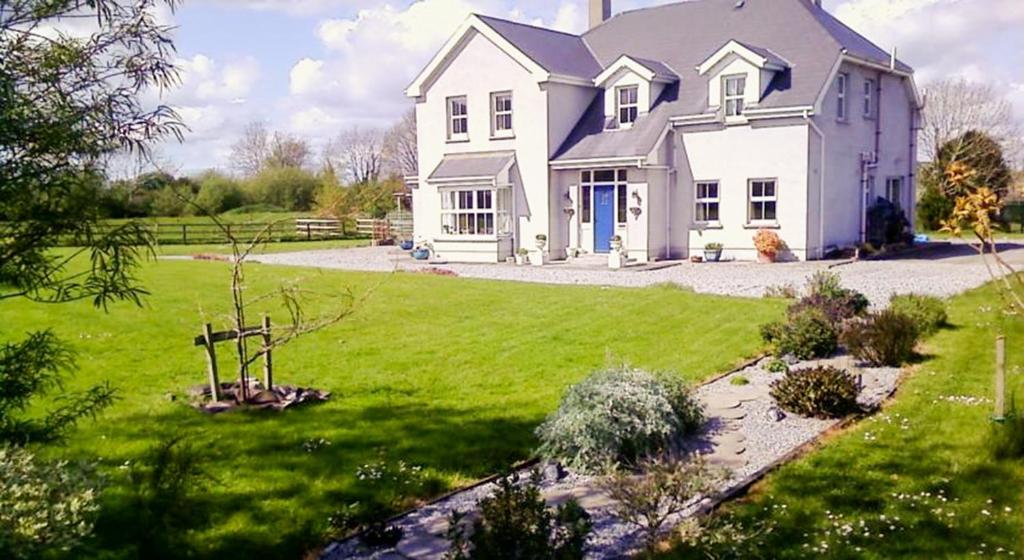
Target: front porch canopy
485, 167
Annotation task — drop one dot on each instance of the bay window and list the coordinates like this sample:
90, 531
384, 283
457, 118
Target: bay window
476, 211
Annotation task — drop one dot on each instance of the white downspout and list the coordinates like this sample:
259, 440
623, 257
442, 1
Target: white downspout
821, 188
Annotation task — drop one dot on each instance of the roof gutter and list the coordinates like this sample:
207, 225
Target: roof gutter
587, 163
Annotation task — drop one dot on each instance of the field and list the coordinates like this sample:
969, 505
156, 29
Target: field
916, 480
448, 374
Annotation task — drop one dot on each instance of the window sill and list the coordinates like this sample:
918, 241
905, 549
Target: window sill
458, 140
706, 225
503, 137
736, 121
762, 225
470, 238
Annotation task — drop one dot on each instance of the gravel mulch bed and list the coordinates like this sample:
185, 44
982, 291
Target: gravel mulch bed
766, 441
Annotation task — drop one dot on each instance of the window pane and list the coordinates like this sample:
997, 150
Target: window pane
585, 205
756, 211
769, 188
622, 204
465, 200
448, 224
757, 189
586, 176
712, 190
712, 213
483, 200
604, 176
622, 176
769, 210
485, 224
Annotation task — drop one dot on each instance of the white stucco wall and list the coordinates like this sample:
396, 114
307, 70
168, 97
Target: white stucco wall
847, 140
479, 69
734, 155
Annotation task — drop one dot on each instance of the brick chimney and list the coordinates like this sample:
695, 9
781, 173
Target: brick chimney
600, 11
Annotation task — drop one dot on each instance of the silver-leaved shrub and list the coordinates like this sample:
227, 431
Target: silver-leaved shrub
618, 417
44, 506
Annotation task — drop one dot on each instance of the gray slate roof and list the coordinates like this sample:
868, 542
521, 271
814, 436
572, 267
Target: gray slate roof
677, 38
771, 57
660, 69
472, 165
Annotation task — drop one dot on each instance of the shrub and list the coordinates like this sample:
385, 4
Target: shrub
807, 334
783, 291
928, 312
516, 524
826, 293
821, 392
217, 194
933, 208
288, 187
616, 417
739, 381
777, 366
44, 506
664, 489
887, 224
887, 338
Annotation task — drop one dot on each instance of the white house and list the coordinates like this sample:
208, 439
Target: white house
672, 127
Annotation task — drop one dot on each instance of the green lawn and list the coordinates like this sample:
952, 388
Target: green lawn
915, 480
225, 249
451, 374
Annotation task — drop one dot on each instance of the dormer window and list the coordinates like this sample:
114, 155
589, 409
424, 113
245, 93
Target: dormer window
628, 105
733, 92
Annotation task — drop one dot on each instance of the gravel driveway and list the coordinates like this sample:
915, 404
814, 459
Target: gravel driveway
942, 270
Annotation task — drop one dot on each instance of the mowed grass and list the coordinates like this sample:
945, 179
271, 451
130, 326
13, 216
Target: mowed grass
916, 480
450, 374
266, 248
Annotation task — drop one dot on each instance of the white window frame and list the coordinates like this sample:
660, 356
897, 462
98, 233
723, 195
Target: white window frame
889, 183
632, 108
502, 122
738, 98
842, 95
706, 201
457, 133
763, 201
620, 182
464, 209
869, 98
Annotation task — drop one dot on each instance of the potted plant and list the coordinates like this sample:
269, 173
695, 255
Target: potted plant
769, 245
713, 252
542, 241
406, 244
521, 256
422, 252
616, 243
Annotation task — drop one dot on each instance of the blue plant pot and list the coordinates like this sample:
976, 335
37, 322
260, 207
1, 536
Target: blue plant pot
421, 254
406, 245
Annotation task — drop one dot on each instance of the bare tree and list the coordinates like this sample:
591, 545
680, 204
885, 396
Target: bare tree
249, 153
359, 153
288, 151
400, 147
955, 107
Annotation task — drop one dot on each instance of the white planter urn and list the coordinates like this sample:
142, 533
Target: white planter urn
616, 259
616, 244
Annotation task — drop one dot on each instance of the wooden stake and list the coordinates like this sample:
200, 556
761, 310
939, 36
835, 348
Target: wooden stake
1000, 378
211, 356
268, 364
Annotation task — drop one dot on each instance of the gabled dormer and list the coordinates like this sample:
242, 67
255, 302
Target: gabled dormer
631, 87
738, 77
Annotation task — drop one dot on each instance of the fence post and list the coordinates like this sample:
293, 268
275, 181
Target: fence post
268, 365
309, 232
211, 356
1000, 378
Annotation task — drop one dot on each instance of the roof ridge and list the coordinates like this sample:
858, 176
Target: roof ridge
531, 26
833, 18
674, 4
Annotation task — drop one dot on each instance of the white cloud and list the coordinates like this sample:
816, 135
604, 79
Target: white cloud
204, 80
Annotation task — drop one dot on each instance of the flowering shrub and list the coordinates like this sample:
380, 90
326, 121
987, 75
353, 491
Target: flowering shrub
928, 312
822, 392
768, 243
887, 338
617, 417
826, 293
44, 507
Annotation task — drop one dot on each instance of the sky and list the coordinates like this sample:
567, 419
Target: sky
313, 68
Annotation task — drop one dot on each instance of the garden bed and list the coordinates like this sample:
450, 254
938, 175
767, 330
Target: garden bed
743, 434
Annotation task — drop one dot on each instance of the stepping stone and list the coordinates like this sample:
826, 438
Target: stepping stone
729, 462
731, 414
722, 402
590, 498
422, 547
728, 437
730, 449
747, 395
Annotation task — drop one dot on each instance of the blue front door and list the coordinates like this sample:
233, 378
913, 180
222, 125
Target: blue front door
604, 218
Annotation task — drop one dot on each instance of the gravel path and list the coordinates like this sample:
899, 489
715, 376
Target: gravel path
942, 271
744, 435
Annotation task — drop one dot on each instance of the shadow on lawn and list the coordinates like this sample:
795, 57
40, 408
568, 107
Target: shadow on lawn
271, 497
